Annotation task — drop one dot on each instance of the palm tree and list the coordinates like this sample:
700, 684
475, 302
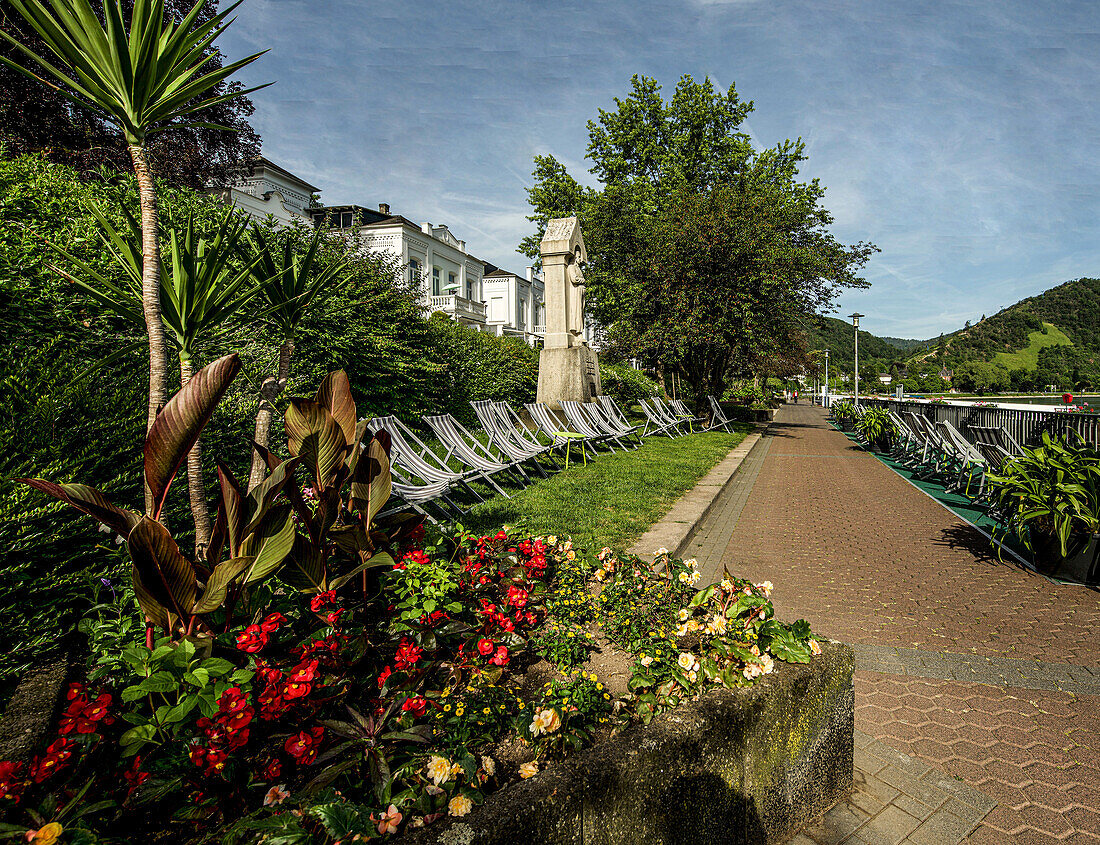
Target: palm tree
142, 79
290, 283
200, 291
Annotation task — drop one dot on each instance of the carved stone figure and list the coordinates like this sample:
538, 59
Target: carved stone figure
575, 296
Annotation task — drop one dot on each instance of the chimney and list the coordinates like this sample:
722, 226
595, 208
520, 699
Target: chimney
384, 207
426, 228
530, 274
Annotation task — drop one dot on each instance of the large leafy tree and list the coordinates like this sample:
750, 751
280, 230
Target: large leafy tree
34, 118
705, 253
142, 78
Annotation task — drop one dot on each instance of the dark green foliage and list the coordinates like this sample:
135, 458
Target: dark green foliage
625, 384
838, 337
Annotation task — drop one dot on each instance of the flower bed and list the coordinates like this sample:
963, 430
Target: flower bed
341, 675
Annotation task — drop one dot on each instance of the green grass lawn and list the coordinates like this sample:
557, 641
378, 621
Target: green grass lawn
613, 500
1028, 357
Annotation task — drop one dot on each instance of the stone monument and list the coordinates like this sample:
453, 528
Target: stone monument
568, 368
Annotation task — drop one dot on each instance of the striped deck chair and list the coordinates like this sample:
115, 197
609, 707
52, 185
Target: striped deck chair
655, 424
415, 458
552, 428
606, 421
467, 449
502, 436
579, 420
682, 410
718, 416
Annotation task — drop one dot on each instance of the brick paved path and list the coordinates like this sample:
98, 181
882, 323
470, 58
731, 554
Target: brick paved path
975, 667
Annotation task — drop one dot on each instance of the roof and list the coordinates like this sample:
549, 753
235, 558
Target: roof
267, 164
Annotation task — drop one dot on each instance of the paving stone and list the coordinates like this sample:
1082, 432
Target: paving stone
980, 669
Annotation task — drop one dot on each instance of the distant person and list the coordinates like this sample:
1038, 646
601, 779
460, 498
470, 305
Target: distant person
795, 395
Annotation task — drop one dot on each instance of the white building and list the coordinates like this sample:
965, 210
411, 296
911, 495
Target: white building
263, 189
516, 304
449, 278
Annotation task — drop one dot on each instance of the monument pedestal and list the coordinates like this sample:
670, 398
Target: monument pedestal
571, 373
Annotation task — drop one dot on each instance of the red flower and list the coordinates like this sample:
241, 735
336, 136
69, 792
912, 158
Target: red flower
322, 600
332, 617
252, 639
517, 596
501, 657
273, 769
501, 535
485, 646
272, 705
384, 677
300, 681
415, 556
272, 622
134, 776
57, 754
416, 705
407, 655
304, 746
11, 780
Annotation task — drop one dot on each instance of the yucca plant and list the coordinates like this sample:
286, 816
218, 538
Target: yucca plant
201, 290
290, 283
143, 78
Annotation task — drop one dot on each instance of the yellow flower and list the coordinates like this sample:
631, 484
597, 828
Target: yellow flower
486, 710
46, 835
460, 805
439, 770
529, 770
460, 710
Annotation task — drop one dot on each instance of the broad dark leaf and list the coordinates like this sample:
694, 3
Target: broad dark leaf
90, 501
180, 423
166, 574
335, 395
314, 436
218, 584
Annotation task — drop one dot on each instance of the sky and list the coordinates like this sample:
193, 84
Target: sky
962, 138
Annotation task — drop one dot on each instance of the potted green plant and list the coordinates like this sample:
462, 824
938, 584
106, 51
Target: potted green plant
844, 413
1051, 495
877, 428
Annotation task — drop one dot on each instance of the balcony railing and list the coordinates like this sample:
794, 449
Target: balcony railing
460, 308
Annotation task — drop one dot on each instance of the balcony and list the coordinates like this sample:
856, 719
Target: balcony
459, 308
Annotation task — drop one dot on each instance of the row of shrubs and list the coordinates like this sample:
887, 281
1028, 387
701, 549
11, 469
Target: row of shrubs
72, 408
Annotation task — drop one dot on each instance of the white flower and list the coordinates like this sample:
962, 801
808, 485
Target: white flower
685, 578
815, 646
687, 661
552, 540
529, 770
717, 624
727, 585
751, 671
545, 722
660, 552
439, 770
489, 765
683, 614
766, 587
104, 528
681, 630
769, 664
693, 563
460, 805
695, 576
647, 659
693, 676
119, 540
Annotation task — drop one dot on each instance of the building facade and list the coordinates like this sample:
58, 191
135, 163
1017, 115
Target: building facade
439, 265
515, 305
263, 189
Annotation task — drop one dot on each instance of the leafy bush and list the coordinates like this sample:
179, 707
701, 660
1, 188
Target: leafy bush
626, 384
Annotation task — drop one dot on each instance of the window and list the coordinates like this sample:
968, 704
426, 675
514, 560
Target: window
469, 288
435, 282
346, 220
452, 286
414, 271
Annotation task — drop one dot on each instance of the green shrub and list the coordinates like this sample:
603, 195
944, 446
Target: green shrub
625, 384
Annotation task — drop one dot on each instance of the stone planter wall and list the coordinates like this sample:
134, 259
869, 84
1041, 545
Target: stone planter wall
751, 766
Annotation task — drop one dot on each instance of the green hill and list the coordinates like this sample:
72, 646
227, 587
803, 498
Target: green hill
1028, 357
838, 337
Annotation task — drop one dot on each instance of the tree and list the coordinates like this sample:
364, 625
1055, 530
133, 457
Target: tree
38, 119
289, 283
141, 79
202, 290
703, 252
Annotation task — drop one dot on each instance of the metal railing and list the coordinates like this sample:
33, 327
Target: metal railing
460, 306
1025, 423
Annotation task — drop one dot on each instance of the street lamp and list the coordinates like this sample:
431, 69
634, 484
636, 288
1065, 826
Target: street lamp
855, 324
825, 395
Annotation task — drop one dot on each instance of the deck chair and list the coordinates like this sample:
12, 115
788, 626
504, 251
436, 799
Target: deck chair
579, 420
612, 411
668, 413
970, 460
658, 424
718, 417
415, 459
550, 426
682, 410
987, 442
467, 449
420, 496
502, 436
605, 421
527, 437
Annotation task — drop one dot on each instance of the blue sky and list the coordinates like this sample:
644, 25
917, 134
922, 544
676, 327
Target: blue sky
960, 137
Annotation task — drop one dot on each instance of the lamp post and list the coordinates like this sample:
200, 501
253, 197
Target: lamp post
855, 324
825, 394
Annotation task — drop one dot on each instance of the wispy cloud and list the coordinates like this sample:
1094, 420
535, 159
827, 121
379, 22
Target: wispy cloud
959, 137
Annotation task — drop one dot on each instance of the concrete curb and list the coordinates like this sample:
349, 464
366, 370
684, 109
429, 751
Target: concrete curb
678, 526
